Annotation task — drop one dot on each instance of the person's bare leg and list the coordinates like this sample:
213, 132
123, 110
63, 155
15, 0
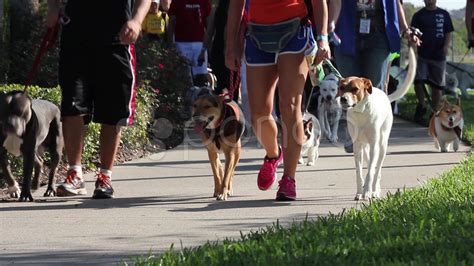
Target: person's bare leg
420, 93
292, 70
109, 142
436, 95
261, 83
74, 133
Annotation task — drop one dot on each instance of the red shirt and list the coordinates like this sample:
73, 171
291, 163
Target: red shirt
274, 11
191, 16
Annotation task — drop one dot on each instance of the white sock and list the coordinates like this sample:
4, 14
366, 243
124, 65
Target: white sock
106, 172
77, 168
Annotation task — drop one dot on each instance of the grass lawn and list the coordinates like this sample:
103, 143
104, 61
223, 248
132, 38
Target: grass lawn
433, 224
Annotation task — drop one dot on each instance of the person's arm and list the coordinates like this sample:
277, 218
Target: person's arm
469, 19
448, 37
131, 29
334, 11
403, 25
53, 13
320, 10
402, 21
232, 49
210, 30
208, 36
165, 4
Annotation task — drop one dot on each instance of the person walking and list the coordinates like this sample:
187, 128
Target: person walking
276, 57
437, 28
97, 80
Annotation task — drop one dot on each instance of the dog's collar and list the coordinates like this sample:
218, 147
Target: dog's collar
228, 107
457, 130
361, 106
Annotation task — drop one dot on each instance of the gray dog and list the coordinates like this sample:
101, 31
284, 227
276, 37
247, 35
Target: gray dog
28, 128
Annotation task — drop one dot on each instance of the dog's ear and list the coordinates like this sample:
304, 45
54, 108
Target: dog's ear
367, 85
310, 124
340, 87
204, 91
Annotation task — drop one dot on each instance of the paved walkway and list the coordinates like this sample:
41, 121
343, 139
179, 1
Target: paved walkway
166, 198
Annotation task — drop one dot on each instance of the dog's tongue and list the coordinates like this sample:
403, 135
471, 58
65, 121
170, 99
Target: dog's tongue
451, 123
198, 127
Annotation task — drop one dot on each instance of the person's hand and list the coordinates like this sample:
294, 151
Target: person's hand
130, 32
324, 52
411, 37
232, 58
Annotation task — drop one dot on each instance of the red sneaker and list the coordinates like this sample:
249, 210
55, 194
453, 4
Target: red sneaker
267, 174
103, 187
73, 185
286, 189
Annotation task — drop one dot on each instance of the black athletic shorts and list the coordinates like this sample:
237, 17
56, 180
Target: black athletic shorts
98, 82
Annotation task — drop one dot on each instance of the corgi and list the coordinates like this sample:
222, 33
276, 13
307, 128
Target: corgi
446, 125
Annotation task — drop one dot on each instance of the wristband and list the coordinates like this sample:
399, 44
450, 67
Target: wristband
322, 38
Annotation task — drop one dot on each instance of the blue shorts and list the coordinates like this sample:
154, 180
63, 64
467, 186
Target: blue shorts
302, 41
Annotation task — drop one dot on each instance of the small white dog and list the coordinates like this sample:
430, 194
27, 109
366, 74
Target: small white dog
312, 136
461, 76
329, 107
369, 122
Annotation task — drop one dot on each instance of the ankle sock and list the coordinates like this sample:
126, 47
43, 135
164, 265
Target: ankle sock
77, 169
106, 172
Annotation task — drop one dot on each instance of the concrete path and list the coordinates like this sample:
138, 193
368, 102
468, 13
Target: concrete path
166, 198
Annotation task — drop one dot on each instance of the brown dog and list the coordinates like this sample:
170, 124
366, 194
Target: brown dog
446, 125
220, 123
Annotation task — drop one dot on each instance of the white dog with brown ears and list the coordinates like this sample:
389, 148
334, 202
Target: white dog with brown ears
446, 125
369, 121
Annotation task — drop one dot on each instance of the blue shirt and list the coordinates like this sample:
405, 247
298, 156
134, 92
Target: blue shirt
347, 26
434, 24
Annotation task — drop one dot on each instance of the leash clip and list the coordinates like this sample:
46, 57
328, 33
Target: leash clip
64, 20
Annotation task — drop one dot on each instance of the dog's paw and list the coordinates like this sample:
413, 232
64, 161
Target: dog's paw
12, 191
25, 196
358, 197
333, 139
310, 163
300, 161
50, 192
222, 196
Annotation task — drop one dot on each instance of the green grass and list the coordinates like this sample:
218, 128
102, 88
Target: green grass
430, 225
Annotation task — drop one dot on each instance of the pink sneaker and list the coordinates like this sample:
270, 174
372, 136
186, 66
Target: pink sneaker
267, 174
286, 189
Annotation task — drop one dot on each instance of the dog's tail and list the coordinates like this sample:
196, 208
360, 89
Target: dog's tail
402, 90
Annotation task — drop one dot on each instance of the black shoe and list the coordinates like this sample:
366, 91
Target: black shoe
349, 148
103, 187
419, 114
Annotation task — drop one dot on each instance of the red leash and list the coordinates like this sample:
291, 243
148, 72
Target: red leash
46, 44
234, 76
